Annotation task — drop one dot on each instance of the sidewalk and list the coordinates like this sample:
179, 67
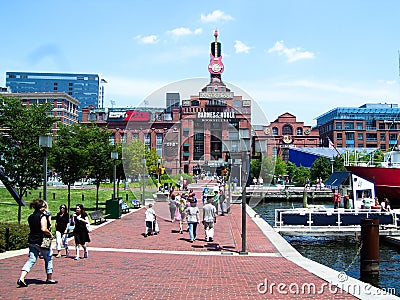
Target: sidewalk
122, 264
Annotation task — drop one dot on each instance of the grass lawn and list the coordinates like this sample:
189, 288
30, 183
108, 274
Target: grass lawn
59, 195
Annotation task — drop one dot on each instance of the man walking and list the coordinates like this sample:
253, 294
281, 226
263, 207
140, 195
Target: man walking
209, 218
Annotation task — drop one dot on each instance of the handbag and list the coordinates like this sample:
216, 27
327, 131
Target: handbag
177, 216
46, 242
89, 227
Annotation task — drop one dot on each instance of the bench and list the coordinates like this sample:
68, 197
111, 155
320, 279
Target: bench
98, 216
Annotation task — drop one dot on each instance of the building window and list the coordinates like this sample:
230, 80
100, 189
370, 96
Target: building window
360, 126
339, 136
383, 147
299, 131
349, 136
215, 88
360, 136
348, 125
287, 130
339, 125
382, 126
382, 137
274, 130
360, 145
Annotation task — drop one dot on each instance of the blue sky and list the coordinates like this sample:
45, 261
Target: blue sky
304, 57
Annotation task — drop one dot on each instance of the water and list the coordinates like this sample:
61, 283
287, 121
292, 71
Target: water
339, 254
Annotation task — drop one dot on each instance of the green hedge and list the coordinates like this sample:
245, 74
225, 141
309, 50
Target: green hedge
18, 236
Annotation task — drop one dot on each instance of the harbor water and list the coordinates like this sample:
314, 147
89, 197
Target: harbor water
339, 254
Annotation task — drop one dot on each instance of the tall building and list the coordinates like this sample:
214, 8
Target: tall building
86, 88
372, 125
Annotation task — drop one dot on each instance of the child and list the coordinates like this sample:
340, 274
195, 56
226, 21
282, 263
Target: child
150, 218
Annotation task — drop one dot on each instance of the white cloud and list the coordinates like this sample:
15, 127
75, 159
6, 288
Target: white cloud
181, 31
148, 39
292, 54
240, 47
215, 16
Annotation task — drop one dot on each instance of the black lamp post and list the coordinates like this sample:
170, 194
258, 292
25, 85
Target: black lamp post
158, 173
244, 175
114, 156
45, 141
144, 166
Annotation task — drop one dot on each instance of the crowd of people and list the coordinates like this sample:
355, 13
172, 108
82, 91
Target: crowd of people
40, 236
183, 206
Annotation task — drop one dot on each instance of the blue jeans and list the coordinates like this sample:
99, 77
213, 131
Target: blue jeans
34, 251
192, 230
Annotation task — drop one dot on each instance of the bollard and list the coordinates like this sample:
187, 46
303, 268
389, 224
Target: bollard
369, 255
7, 238
83, 197
54, 196
126, 198
305, 198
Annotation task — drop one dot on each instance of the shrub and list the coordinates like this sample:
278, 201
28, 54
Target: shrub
18, 236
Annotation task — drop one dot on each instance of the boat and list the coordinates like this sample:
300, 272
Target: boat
385, 176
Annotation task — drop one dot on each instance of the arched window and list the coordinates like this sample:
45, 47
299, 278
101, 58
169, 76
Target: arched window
287, 130
299, 131
275, 131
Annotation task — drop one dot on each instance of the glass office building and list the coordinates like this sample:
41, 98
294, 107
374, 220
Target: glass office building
86, 88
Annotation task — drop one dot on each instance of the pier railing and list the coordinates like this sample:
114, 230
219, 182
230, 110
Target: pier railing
331, 218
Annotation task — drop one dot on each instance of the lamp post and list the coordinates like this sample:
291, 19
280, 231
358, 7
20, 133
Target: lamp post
144, 166
245, 174
45, 141
332, 161
228, 210
114, 156
158, 173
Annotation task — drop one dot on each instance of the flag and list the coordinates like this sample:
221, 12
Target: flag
331, 145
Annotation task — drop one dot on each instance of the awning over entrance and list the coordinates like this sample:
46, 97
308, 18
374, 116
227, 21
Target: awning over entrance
337, 179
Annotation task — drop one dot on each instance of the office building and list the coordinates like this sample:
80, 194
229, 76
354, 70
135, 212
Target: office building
372, 125
86, 88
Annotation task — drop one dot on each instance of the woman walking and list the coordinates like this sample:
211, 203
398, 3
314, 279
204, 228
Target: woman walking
39, 225
62, 221
172, 206
192, 213
81, 233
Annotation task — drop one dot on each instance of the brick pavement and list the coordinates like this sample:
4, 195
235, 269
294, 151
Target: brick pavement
123, 264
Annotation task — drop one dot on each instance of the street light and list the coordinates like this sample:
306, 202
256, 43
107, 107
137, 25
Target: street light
144, 166
114, 156
244, 149
45, 141
158, 173
332, 161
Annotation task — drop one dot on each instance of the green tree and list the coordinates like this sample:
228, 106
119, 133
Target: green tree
69, 156
21, 157
98, 154
321, 168
255, 168
280, 167
267, 169
291, 170
302, 173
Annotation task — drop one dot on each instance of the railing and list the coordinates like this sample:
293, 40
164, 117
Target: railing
332, 218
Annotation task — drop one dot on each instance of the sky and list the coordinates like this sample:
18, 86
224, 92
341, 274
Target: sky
304, 57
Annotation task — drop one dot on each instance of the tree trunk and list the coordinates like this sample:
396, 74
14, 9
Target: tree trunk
97, 195
69, 197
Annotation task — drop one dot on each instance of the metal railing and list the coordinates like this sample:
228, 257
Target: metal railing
330, 217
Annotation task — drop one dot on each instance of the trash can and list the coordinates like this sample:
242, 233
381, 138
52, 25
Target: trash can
113, 209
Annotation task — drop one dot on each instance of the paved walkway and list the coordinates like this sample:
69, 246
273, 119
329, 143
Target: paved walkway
122, 264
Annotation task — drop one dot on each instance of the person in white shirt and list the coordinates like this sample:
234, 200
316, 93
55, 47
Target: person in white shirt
150, 219
209, 218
